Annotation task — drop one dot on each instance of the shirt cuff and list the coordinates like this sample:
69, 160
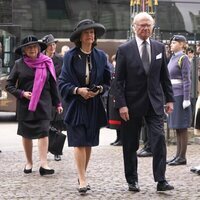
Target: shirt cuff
75, 90
101, 89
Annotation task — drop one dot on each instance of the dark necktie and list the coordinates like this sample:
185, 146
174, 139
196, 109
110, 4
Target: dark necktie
145, 56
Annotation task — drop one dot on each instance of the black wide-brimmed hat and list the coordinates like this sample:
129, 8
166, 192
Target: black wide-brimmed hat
48, 39
178, 38
29, 40
84, 25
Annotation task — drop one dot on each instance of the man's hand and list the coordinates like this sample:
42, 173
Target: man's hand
59, 109
169, 107
123, 111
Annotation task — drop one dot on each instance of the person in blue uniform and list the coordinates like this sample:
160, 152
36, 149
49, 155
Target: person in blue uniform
84, 76
181, 118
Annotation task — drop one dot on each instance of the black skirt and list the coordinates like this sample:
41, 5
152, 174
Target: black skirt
33, 129
80, 136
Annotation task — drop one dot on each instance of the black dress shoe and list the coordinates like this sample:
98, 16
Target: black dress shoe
193, 169
118, 143
171, 160
178, 161
164, 186
44, 171
82, 190
27, 171
197, 171
144, 153
133, 187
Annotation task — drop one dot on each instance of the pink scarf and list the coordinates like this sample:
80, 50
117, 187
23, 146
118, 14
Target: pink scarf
41, 63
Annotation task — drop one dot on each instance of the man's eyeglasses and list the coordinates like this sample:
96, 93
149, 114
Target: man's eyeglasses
144, 25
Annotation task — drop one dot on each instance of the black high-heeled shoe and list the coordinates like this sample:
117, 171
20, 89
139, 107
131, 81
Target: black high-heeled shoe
44, 171
27, 171
82, 190
87, 186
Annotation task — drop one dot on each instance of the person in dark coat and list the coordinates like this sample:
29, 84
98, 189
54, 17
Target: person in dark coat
83, 79
33, 82
141, 78
114, 120
57, 120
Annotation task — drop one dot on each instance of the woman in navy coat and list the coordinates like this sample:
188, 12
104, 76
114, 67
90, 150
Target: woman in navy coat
84, 76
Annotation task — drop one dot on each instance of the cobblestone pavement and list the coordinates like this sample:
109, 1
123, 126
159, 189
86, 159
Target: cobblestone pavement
105, 173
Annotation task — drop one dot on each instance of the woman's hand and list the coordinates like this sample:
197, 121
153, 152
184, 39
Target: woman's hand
27, 95
85, 93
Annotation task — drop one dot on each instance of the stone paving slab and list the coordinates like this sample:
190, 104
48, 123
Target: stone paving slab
105, 175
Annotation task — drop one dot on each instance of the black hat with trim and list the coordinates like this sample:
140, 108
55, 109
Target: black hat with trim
29, 40
48, 39
84, 25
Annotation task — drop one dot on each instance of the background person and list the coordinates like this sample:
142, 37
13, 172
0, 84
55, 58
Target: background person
50, 51
180, 118
84, 66
141, 78
64, 50
33, 82
146, 150
114, 121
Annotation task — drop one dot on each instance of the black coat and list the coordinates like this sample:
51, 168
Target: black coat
133, 88
21, 79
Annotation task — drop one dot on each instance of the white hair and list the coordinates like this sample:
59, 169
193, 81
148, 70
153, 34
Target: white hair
143, 15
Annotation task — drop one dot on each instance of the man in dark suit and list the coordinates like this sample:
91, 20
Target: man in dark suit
141, 80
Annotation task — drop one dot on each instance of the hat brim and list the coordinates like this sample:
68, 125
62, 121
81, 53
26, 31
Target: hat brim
18, 50
53, 41
178, 38
99, 30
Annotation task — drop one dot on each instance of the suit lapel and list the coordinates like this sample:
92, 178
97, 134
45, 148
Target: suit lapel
152, 53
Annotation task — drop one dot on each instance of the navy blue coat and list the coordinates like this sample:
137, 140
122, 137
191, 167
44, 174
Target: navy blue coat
77, 112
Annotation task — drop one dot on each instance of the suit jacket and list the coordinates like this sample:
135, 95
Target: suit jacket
133, 87
21, 79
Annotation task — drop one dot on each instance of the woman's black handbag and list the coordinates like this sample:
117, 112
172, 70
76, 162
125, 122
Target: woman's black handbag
56, 141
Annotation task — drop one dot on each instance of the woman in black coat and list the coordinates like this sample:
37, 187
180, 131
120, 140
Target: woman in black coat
33, 82
50, 51
84, 77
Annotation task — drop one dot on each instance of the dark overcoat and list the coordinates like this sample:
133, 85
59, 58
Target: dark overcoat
76, 109
21, 79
